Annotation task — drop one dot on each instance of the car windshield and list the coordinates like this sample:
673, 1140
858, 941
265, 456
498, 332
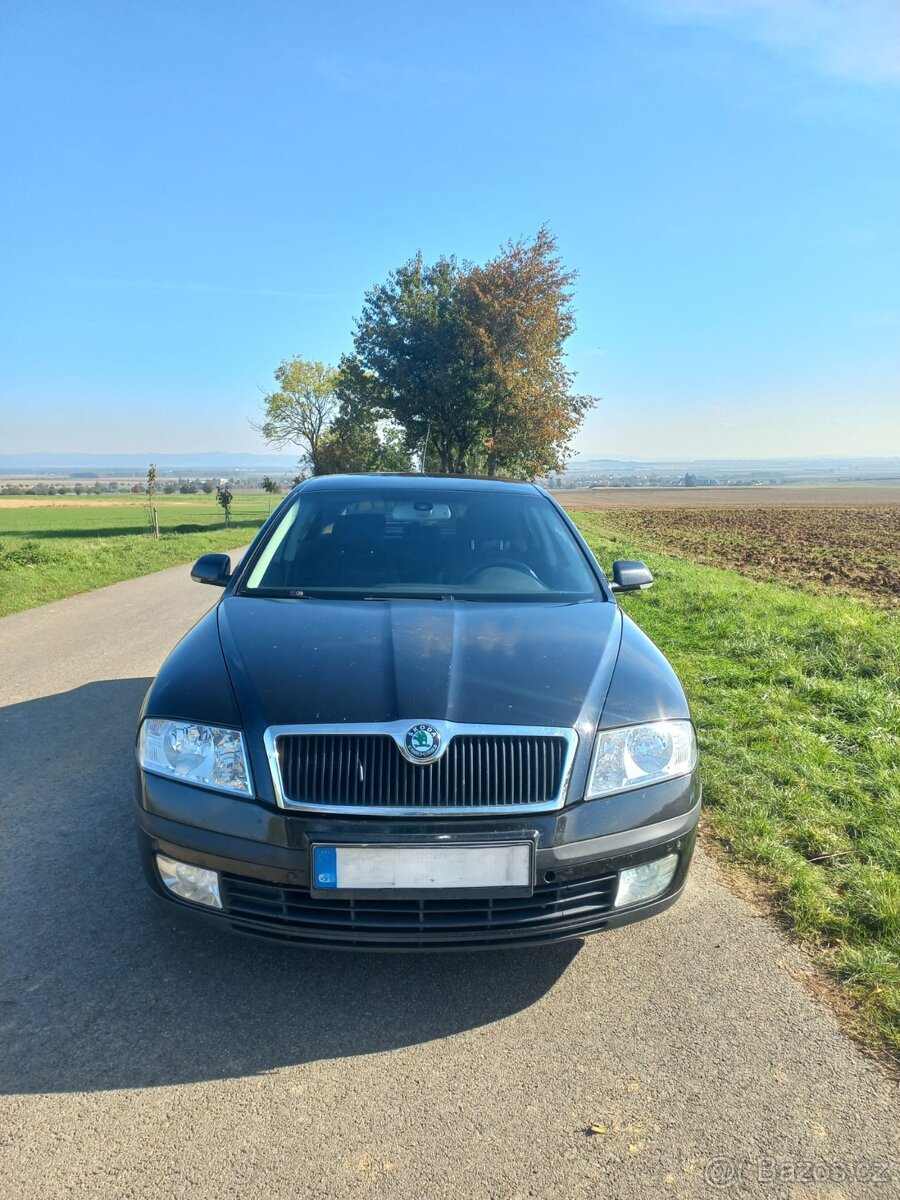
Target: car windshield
420, 542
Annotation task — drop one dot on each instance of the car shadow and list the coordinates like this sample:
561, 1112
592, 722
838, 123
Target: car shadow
103, 988
42, 535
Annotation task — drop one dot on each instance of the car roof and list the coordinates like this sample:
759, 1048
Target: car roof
412, 482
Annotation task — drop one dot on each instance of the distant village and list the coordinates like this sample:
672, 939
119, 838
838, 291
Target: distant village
606, 473
106, 475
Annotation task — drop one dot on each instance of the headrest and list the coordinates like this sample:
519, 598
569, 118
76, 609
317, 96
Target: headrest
359, 529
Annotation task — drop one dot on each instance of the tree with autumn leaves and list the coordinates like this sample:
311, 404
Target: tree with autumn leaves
457, 368
518, 317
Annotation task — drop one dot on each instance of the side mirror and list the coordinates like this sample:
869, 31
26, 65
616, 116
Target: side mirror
212, 568
629, 576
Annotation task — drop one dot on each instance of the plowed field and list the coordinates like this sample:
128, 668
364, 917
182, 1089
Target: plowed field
854, 549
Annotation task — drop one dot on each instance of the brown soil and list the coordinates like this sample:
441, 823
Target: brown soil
854, 549
727, 497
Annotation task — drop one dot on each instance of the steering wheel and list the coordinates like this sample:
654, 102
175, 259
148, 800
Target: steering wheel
514, 564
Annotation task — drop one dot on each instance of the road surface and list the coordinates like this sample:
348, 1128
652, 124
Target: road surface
145, 1059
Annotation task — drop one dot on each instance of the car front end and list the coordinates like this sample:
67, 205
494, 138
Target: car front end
389, 768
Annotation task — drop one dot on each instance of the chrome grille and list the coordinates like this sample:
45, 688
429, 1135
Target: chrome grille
366, 771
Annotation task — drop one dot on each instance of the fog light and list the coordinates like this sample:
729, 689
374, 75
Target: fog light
189, 882
646, 881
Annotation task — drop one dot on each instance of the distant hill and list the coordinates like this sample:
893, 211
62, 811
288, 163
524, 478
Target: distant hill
224, 462
214, 462
717, 472
735, 464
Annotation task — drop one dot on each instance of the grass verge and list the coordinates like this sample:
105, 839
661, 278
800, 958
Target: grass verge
52, 550
797, 702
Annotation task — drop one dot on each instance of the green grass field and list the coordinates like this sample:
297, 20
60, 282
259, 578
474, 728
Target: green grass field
797, 702
796, 697
56, 547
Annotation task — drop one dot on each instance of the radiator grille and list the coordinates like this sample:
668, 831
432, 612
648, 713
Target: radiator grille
368, 771
568, 908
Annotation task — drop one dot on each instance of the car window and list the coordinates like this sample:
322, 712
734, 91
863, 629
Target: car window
475, 544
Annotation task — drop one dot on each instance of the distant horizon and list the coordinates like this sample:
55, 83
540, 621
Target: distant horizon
226, 457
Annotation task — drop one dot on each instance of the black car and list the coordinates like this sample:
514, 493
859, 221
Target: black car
417, 719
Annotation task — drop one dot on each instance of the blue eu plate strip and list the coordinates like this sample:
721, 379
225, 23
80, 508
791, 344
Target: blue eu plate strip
325, 866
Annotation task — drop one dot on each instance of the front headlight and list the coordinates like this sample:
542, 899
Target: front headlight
636, 755
200, 754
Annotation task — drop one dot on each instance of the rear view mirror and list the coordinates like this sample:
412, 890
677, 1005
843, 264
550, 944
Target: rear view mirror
421, 510
630, 575
212, 568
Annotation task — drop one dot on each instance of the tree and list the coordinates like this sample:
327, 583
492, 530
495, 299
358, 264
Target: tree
271, 488
518, 312
353, 449
152, 513
224, 499
411, 361
360, 439
299, 413
460, 367
469, 361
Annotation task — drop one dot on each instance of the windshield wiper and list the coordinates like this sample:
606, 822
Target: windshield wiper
285, 593
408, 596
344, 594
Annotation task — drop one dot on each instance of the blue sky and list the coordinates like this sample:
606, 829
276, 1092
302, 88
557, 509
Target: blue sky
195, 189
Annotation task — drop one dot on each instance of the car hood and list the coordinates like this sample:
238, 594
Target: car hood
335, 661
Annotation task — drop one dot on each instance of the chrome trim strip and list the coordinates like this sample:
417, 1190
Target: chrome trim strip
397, 730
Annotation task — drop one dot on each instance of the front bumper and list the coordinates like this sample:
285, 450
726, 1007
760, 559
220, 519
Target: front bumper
262, 855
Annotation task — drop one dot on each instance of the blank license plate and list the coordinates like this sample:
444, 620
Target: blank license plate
505, 867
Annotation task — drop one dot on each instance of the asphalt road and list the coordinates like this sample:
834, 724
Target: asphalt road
145, 1059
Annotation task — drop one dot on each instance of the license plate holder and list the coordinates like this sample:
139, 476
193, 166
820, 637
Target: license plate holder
423, 869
